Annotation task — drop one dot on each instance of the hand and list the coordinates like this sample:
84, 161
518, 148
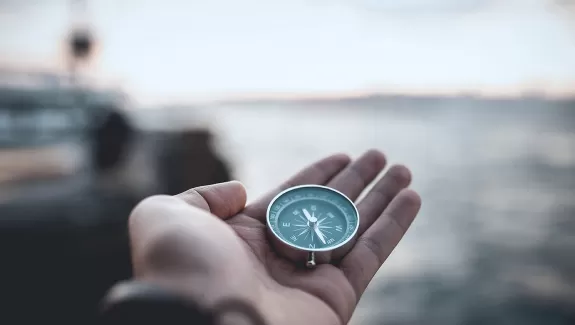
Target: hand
205, 243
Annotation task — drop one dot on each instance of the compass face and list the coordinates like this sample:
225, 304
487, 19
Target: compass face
313, 218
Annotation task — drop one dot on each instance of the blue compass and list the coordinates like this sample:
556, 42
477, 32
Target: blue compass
313, 218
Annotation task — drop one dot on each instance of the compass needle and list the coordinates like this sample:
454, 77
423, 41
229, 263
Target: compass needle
319, 234
307, 215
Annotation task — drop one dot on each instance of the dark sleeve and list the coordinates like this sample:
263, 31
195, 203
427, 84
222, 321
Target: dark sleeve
135, 302
139, 303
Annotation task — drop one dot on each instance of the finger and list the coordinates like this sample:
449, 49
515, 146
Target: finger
372, 205
356, 176
319, 172
223, 199
377, 199
379, 240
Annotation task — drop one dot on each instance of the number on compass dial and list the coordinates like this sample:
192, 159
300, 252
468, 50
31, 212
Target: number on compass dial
313, 218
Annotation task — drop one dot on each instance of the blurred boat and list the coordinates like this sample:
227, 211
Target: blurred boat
43, 123
73, 164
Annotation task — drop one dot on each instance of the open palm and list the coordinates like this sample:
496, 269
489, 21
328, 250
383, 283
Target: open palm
208, 244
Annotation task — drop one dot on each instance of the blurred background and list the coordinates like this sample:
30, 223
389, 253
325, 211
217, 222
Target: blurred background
105, 102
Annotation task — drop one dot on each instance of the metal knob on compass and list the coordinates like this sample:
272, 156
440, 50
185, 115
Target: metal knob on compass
312, 218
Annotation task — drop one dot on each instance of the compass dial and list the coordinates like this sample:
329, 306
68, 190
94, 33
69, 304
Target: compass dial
313, 218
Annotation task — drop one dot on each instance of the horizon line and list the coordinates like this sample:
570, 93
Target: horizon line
342, 96
530, 88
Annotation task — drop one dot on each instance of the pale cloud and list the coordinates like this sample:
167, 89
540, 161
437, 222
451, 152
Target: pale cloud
436, 7
210, 48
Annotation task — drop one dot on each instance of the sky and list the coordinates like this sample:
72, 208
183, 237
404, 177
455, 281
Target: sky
176, 49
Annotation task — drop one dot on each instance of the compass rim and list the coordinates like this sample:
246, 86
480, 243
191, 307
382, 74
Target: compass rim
325, 249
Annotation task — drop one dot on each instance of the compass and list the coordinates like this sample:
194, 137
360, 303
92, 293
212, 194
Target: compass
312, 218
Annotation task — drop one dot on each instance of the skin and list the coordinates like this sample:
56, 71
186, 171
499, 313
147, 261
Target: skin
207, 244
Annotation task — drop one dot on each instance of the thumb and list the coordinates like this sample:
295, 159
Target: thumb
223, 199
